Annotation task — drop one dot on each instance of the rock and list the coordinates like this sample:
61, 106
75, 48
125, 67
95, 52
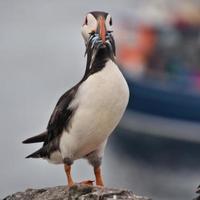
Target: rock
198, 192
78, 192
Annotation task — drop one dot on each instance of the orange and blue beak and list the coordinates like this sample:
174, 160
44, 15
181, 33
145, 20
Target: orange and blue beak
101, 29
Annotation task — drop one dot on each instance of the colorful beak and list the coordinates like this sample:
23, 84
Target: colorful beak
101, 29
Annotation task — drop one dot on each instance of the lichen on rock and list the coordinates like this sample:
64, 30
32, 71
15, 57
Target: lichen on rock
77, 192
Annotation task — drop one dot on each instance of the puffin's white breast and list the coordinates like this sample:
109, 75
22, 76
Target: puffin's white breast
101, 101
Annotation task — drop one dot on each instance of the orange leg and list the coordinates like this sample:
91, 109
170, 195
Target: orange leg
69, 177
99, 180
68, 173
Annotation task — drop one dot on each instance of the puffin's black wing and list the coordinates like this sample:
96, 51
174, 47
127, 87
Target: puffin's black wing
59, 120
61, 115
38, 138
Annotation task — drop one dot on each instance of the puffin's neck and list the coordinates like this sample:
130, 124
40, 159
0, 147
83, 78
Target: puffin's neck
101, 58
99, 62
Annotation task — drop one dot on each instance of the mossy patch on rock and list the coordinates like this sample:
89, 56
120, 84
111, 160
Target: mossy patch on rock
77, 192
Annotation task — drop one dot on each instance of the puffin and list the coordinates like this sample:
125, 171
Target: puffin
86, 115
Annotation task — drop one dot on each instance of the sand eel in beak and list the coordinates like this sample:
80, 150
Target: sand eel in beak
87, 114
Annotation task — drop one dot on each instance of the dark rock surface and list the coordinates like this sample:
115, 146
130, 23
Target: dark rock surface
78, 192
198, 192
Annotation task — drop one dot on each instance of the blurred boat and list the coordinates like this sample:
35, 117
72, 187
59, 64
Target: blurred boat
161, 125
162, 122
154, 98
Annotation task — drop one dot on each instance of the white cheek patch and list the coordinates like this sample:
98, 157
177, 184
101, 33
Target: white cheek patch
92, 22
89, 27
108, 26
84, 32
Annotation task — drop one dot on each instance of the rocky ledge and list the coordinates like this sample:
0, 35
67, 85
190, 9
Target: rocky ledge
77, 192
198, 192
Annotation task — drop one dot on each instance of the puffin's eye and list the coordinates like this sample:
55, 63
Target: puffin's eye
86, 21
110, 22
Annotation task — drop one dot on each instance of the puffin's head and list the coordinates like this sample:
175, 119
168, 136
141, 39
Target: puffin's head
97, 23
97, 30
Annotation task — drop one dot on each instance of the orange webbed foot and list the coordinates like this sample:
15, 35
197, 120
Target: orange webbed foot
87, 182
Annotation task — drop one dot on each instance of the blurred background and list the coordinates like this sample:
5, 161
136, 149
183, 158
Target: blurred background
155, 149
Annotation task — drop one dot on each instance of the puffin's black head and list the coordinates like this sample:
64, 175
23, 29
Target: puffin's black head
97, 32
